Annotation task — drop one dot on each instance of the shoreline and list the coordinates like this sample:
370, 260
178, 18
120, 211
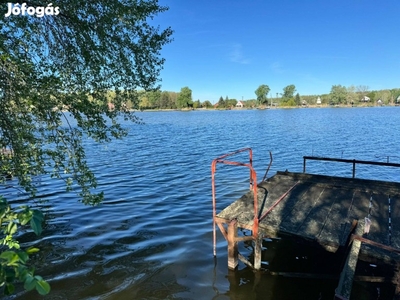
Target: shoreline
263, 108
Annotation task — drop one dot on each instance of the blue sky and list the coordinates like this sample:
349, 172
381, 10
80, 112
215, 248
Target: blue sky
228, 48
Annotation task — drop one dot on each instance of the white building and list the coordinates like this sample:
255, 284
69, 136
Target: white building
240, 104
365, 99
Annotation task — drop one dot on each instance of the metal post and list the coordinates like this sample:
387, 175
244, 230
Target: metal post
255, 194
354, 168
251, 165
213, 169
304, 164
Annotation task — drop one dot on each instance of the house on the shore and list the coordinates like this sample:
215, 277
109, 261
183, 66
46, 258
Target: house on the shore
365, 99
240, 104
319, 101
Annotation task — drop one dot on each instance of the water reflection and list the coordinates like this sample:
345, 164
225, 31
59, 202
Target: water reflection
290, 270
120, 269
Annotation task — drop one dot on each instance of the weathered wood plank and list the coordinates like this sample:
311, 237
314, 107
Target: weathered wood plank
395, 199
360, 207
232, 245
343, 291
297, 217
379, 229
322, 209
281, 211
336, 225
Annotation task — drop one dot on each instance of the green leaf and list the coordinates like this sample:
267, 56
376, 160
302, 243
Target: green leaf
25, 216
12, 244
29, 283
23, 272
23, 256
9, 289
42, 287
32, 250
8, 241
7, 255
12, 228
36, 226
14, 261
36, 221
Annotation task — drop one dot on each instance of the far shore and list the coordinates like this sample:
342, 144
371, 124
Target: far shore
265, 107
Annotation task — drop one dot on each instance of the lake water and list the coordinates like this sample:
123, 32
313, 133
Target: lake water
152, 236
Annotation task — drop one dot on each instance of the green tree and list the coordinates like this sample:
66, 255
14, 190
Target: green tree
221, 102
173, 98
250, 103
62, 67
288, 91
196, 104
372, 95
384, 95
288, 102
351, 95
144, 102
363, 90
164, 100
206, 104
261, 93
297, 99
184, 98
338, 94
230, 102
154, 98
395, 94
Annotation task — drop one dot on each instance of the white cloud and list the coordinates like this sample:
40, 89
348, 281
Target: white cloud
236, 55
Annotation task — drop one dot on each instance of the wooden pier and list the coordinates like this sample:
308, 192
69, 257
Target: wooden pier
357, 216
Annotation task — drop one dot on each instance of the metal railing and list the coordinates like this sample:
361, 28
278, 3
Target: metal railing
253, 185
350, 161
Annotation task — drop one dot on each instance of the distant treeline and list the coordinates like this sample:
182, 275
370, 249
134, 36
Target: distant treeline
355, 96
339, 95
